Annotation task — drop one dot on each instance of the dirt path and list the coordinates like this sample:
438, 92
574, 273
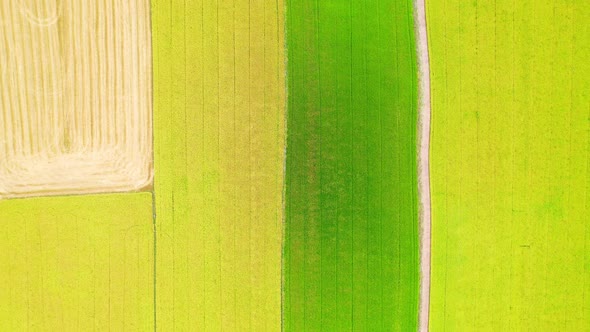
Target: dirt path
423, 162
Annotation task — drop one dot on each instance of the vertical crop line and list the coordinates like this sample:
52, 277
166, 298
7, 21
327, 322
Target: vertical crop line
154, 67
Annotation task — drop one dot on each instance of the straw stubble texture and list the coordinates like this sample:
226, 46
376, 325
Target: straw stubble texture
75, 97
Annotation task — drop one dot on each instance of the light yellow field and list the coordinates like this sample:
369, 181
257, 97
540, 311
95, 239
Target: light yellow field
83, 263
78, 263
510, 175
219, 142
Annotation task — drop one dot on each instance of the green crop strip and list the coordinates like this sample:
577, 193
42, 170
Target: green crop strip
351, 249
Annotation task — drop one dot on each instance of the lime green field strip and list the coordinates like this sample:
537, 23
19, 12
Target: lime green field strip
77, 263
510, 165
351, 251
219, 100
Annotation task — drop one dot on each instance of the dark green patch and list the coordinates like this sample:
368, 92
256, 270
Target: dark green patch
351, 251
